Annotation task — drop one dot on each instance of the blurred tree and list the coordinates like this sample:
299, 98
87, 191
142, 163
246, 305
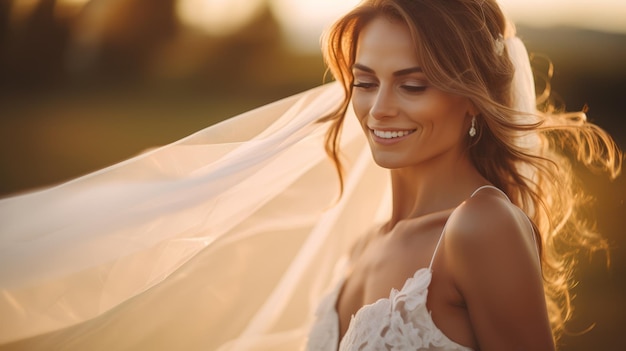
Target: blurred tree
116, 39
250, 55
33, 51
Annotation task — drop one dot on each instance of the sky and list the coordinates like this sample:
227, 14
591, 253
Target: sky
605, 15
304, 20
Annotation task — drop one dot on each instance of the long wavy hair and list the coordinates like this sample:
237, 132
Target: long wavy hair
456, 42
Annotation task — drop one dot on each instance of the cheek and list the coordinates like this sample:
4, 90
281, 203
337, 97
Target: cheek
360, 106
448, 113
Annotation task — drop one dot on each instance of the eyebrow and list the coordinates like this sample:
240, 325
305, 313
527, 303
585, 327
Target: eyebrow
402, 72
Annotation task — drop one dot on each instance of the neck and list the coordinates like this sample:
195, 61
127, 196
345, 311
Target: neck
433, 186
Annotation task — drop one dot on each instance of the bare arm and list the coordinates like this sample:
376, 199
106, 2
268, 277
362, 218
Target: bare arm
497, 271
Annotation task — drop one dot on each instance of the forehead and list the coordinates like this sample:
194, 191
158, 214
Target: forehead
388, 42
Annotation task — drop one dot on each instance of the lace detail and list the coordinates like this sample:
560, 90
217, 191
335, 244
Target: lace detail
400, 322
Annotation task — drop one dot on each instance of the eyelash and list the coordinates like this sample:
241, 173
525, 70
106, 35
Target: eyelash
408, 88
363, 85
414, 89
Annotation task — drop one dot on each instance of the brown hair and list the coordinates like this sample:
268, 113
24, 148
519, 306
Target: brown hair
456, 42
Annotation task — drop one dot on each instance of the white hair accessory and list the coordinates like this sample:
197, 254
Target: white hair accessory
524, 102
523, 91
499, 45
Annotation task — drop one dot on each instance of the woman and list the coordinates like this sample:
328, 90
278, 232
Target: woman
432, 85
228, 239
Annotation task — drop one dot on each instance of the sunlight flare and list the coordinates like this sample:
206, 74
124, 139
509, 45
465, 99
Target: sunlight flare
217, 17
304, 20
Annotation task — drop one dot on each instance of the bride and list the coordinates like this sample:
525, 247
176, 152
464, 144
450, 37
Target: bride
453, 192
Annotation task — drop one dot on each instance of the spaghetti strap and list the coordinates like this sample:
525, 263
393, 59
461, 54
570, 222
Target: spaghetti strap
491, 187
432, 259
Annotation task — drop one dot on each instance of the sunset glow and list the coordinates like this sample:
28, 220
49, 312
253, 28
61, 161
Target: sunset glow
605, 15
217, 17
303, 21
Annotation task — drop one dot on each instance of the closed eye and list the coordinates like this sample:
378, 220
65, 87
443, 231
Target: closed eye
413, 88
364, 85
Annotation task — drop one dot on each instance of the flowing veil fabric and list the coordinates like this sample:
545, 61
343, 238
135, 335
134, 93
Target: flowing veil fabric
223, 240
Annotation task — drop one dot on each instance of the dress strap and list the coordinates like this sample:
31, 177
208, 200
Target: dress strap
432, 259
490, 187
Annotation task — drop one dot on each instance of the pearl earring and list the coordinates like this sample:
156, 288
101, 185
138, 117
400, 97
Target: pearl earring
472, 131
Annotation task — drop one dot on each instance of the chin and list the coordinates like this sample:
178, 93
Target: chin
388, 162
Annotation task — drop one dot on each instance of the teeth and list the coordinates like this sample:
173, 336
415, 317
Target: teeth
391, 135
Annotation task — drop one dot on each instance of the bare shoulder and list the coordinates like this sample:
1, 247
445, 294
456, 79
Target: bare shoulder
488, 223
492, 259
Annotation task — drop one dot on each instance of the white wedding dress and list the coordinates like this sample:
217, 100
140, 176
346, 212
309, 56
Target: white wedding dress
400, 322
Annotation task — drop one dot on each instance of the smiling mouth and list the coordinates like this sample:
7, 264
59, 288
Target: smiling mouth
388, 134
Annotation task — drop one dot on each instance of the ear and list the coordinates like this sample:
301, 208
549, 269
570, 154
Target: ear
472, 110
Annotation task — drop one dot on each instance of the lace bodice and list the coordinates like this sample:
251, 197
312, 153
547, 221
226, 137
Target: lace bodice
400, 322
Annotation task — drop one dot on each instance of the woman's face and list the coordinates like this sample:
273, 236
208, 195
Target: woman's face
407, 121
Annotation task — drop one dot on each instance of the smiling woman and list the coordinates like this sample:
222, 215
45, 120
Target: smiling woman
248, 236
492, 137
389, 83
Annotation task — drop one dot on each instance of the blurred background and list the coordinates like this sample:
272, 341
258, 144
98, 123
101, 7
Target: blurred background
87, 83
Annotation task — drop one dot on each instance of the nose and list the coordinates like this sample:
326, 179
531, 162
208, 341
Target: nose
384, 104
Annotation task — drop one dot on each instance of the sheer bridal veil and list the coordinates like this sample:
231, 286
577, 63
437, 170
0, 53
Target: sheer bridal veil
229, 234
224, 240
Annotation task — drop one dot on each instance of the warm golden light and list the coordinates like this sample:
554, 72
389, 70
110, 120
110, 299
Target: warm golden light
74, 2
605, 15
217, 17
304, 20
